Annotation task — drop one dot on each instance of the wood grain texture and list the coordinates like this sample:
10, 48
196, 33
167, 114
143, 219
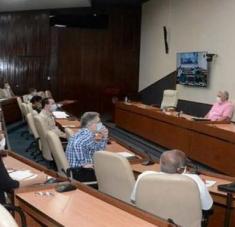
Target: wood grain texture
210, 144
81, 63
24, 50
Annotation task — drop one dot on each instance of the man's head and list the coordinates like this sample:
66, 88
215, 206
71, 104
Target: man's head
32, 91
222, 96
36, 101
6, 85
90, 120
48, 104
172, 161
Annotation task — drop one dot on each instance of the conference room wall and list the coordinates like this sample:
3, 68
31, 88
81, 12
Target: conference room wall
94, 63
192, 26
75, 63
24, 50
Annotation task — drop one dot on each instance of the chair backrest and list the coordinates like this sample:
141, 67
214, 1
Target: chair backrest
114, 175
57, 151
29, 108
25, 98
32, 126
233, 116
2, 93
42, 132
170, 99
69, 132
25, 109
6, 219
170, 196
19, 101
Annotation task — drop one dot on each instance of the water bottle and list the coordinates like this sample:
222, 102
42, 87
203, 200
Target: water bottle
126, 99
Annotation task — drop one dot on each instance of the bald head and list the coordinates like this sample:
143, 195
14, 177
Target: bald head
171, 161
224, 95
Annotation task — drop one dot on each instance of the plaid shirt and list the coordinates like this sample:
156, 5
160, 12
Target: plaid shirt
82, 146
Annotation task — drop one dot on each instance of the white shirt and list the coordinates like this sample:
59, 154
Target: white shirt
206, 200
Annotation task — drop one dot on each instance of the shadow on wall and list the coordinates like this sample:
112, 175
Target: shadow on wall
153, 93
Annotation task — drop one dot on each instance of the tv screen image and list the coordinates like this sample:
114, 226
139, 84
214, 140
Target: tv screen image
192, 69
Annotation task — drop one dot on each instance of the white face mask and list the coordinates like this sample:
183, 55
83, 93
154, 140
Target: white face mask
99, 126
53, 107
218, 99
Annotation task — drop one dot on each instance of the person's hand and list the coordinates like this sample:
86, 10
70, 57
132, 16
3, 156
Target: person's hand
104, 131
98, 136
88, 166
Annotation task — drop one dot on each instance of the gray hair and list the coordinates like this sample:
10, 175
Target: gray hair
87, 118
226, 95
171, 161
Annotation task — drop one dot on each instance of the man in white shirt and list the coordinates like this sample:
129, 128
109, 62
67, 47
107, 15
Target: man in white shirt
174, 161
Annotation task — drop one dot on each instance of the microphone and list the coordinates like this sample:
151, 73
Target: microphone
66, 187
149, 160
193, 166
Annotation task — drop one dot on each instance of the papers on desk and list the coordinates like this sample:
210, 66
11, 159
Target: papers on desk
70, 126
210, 183
20, 175
60, 114
126, 154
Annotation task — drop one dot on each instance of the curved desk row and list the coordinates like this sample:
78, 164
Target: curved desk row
210, 144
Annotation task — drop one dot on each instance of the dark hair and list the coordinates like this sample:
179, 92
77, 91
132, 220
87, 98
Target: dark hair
45, 101
87, 118
35, 99
32, 90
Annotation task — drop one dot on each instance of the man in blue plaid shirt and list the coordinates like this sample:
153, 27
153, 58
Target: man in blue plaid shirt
91, 137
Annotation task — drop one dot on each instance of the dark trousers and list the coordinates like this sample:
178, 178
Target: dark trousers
83, 174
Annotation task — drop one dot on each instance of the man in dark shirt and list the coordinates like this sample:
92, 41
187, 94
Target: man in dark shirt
6, 183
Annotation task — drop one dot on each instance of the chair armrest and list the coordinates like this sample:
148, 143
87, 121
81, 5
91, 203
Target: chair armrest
17, 209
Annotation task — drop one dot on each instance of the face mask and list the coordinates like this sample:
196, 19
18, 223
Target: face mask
39, 105
99, 126
218, 99
53, 107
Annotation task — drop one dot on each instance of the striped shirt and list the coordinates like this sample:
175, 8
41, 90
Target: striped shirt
82, 146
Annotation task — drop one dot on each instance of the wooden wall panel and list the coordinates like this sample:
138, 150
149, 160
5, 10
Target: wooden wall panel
24, 50
93, 60
82, 63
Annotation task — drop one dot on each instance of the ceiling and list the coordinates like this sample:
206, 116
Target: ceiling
20, 5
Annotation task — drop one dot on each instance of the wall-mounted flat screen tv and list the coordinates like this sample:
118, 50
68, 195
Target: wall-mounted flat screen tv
192, 69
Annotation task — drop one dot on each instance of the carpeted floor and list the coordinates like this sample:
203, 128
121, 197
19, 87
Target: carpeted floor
20, 139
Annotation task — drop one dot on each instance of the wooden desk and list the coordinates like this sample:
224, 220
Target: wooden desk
210, 144
17, 162
11, 109
83, 207
219, 198
76, 208
66, 123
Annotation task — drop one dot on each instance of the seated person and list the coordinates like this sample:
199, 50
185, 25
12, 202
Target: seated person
36, 103
32, 92
6, 92
174, 161
91, 137
222, 110
6, 183
48, 106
